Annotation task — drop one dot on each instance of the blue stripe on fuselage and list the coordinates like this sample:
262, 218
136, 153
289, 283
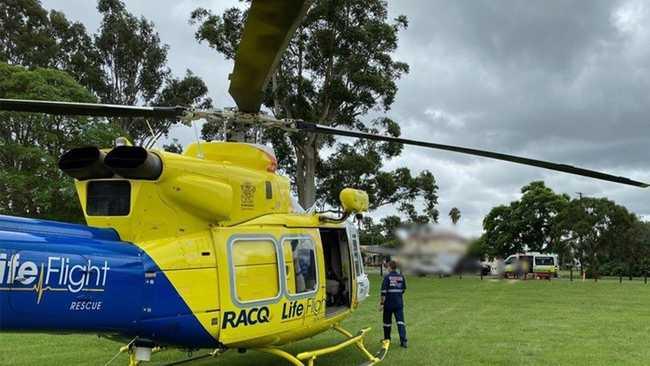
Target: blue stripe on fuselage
78, 284
55, 228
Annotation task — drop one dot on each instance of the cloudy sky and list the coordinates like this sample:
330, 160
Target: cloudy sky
566, 81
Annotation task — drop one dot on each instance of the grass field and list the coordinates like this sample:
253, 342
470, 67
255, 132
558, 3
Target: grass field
450, 322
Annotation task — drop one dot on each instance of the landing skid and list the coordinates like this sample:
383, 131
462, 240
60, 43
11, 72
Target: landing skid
133, 360
308, 358
302, 359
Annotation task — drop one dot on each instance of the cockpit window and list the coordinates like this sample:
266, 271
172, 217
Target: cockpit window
108, 198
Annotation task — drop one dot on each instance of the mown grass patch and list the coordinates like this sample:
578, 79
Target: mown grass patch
450, 321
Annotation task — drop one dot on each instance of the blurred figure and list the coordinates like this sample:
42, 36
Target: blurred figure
501, 267
392, 303
519, 268
525, 267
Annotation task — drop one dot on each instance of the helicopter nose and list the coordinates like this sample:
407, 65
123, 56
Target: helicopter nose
134, 162
85, 163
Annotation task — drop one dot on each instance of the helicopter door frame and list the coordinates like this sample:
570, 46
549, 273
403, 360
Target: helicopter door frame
362, 281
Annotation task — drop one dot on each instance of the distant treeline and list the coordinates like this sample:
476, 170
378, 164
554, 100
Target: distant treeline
603, 236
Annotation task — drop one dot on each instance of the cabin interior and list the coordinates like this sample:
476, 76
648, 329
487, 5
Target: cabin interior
338, 271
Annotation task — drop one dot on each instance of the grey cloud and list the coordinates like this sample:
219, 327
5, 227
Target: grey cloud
548, 34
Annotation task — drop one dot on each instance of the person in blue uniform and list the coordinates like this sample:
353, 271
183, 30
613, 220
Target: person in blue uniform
392, 302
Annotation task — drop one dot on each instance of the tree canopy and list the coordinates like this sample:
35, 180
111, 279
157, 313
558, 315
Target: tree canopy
383, 232
525, 223
337, 67
124, 63
360, 165
34, 37
592, 229
30, 144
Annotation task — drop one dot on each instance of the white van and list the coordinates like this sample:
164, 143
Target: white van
538, 264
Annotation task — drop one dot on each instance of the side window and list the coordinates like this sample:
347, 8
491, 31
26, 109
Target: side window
255, 269
510, 260
303, 276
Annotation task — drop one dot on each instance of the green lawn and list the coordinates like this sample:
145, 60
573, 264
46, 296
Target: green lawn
450, 322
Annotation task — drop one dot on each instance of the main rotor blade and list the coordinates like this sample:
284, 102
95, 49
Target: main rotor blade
88, 109
316, 128
268, 29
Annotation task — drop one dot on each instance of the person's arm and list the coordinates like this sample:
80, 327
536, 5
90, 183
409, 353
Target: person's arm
384, 290
403, 284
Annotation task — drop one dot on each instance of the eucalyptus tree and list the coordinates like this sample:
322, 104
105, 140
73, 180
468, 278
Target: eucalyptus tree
134, 64
338, 66
35, 37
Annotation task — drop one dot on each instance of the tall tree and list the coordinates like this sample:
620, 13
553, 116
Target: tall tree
454, 215
597, 230
26, 34
30, 181
536, 213
605, 237
76, 53
125, 63
639, 237
337, 67
34, 37
527, 223
188, 91
501, 232
134, 64
133, 57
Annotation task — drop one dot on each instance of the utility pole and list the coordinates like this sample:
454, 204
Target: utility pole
582, 270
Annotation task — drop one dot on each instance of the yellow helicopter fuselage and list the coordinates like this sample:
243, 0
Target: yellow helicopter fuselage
220, 224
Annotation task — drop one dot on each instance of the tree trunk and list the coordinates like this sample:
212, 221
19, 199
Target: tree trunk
306, 158
629, 271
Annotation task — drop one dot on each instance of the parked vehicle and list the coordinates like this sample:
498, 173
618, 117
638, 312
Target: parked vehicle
543, 265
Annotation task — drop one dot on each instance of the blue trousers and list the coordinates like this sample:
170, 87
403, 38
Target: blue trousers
399, 318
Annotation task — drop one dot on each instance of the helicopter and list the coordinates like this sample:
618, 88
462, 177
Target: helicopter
205, 249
